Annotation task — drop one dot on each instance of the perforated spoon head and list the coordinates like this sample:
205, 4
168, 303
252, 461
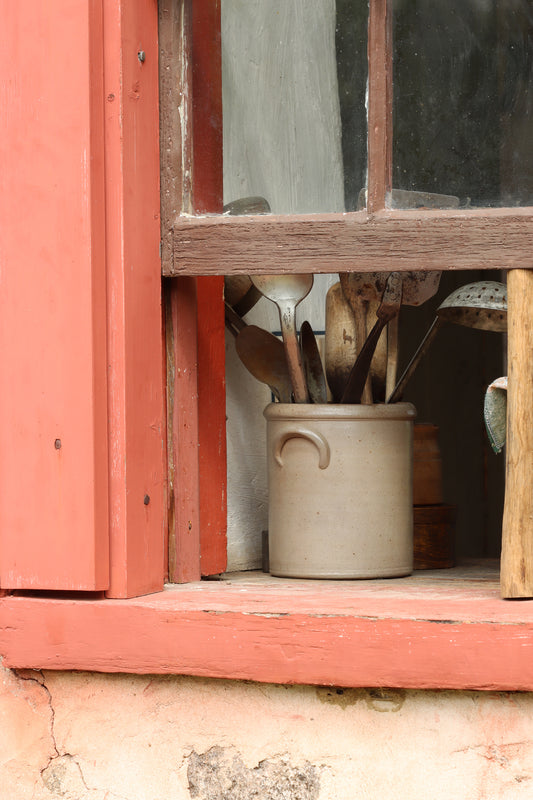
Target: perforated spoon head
481, 305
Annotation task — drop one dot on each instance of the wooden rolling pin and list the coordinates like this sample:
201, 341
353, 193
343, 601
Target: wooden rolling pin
516, 578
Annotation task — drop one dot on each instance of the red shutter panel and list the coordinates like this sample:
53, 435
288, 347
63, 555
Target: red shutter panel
53, 441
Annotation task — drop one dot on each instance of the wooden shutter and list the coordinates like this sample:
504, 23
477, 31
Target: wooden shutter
53, 442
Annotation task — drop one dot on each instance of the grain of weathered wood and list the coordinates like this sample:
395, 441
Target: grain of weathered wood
517, 533
175, 117
191, 178
182, 409
379, 104
426, 631
399, 240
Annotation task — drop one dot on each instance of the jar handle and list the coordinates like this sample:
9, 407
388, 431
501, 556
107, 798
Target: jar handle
324, 454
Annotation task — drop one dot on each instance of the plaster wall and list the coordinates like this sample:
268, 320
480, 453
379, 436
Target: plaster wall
81, 736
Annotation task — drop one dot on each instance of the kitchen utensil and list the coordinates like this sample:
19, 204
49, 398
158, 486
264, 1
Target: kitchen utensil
312, 364
286, 291
340, 352
339, 348
480, 305
417, 287
263, 355
240, 293
402, 198
235, 287
388, 309
378, 367
359, 288
239, 290
234, 323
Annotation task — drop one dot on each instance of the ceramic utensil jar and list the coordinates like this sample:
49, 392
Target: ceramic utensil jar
340, 490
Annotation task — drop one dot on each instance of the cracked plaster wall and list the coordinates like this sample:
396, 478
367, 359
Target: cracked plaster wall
81, 736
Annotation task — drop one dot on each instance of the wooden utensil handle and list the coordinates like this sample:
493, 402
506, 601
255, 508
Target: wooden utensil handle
293, 355
517, 534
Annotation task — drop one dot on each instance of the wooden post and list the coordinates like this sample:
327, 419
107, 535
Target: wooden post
517, 536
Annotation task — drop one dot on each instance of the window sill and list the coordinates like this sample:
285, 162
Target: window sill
444, 629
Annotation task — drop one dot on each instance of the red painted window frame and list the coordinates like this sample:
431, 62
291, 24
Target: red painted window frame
196, 402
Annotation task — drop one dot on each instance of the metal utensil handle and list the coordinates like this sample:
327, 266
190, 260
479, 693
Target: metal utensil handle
234, 323
359, 373
413, 364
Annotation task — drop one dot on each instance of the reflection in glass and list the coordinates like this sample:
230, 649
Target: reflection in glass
293, 81
463, 99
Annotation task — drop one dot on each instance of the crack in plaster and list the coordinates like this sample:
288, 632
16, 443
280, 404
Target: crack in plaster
37, 676
59, 779
51, 775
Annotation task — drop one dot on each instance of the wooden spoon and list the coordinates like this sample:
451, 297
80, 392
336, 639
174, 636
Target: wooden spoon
360, 288
340, 353
388, 309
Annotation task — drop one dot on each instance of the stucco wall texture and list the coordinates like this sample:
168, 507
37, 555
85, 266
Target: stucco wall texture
81, 736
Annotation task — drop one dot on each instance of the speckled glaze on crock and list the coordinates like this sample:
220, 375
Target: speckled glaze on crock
340, 490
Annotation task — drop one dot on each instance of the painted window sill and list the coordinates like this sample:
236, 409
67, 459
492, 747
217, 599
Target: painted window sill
444, 629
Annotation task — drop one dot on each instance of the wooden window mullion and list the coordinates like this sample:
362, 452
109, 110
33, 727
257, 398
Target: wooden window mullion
379, 104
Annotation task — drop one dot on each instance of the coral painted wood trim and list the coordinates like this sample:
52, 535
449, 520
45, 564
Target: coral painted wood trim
403, 240
212, 425
412, 633
207, 190
136, 394
54, 531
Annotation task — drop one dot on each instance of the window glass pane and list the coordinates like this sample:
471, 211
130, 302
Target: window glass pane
294, 80
463, 99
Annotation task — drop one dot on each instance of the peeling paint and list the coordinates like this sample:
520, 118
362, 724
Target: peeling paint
221, 774
63, 774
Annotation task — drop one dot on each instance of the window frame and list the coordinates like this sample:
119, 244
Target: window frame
423, 239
